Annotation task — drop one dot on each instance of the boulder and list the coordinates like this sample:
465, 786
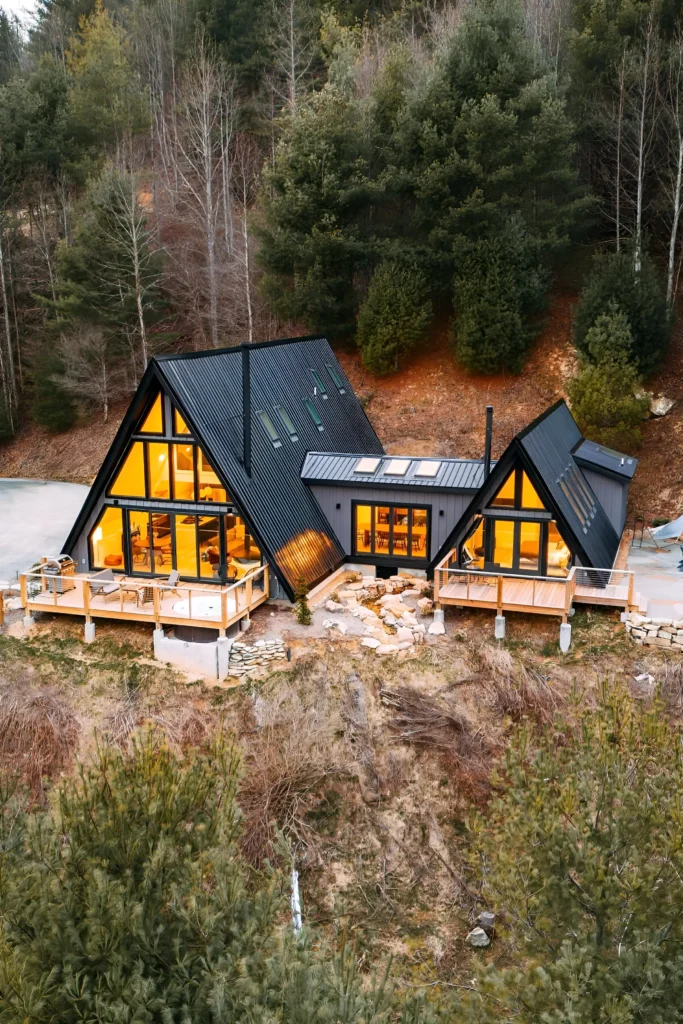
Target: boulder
334, 624
409, 619
389, 619
425, 604
656, 641
387, 649
333, 606
370, 641
13, 604
478, 938
487, 921
661, 405
437, 629
404, 633
405, 645
389, 599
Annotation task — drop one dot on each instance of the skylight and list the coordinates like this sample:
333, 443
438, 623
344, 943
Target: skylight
315, 416
428, 468
366, 465
269, 428
338, 382
397, 467
287, 421
319, 383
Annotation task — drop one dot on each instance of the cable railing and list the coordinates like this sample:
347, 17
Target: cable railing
127, 597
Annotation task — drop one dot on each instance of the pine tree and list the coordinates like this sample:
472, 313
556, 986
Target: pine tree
128, 900
394, 316
581, 858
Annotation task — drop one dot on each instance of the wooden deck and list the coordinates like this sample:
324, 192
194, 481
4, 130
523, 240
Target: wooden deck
145, 600
536, 595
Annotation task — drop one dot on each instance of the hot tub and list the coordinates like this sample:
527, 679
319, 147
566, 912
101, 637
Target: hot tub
206, 606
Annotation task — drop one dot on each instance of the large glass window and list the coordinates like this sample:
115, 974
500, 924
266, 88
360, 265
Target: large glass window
529, 547
159, 475
559, 555
530, 498
242, 551
210, 487
140, 541
517, 492
130, 480
209, 546
183, 471
106, 541
186, 545
391, 531
503, 543
364, 529
154, 420
473, 548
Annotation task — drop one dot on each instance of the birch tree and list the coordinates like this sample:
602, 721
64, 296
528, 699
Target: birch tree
672, 176
201, 141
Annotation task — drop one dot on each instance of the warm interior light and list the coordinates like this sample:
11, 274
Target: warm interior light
162, 457
97, 535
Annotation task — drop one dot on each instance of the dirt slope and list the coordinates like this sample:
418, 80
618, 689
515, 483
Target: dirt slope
431, 407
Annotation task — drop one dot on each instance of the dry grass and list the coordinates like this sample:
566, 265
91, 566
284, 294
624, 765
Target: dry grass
182, 725
427, 721
292, 751
516, 691
38, 735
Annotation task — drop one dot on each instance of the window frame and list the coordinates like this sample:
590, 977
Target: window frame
266, 422
290, 426
318, 382
314, 414
389, 558
336, 379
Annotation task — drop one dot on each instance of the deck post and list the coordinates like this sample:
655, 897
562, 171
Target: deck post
86, 599
2, 608
437, 577
568, 596
23, 589
224, 611
499, 627
157, 607
89, 630
499, 598
631, 599
248, 588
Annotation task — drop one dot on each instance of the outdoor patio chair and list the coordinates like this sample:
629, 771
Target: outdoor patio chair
170, 585
103, 584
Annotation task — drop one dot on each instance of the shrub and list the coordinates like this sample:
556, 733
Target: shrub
303, 612
394, 317
615, 286
610, 338
604, 403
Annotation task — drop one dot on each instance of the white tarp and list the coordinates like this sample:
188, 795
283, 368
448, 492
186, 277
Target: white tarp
669, 531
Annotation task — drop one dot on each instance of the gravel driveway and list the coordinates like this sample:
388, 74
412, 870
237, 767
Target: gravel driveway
35, 519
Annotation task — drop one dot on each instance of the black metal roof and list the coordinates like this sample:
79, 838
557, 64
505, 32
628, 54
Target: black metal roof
463, 475
284, 515
605, 460
545, 449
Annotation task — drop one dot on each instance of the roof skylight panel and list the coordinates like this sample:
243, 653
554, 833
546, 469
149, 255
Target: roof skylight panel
397, 467
319, 384
366, 465
338, 382
287, 422
269, 428
314, 414
428, 468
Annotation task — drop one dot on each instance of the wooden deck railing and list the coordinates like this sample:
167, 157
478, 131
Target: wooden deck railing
144, 600
550, 595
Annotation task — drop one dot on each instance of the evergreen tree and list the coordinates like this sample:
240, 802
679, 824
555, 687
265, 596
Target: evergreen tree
394, 317
604, 403
52, 406
581, 857
128, 900
614, 284
610, 340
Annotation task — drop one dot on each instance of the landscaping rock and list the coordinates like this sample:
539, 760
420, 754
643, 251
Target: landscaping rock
370, 641
425, 604
437, 629
387, 649
478, 938
661, 405
404, 633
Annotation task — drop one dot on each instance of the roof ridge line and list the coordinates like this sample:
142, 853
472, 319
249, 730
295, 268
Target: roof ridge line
170, 356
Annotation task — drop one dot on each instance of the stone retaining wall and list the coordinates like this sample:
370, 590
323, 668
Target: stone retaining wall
649, 632
247, 658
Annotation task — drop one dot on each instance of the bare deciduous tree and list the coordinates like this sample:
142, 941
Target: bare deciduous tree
293, 43
90, 371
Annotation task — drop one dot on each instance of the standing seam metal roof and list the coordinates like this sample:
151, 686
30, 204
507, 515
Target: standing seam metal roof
284, 512
340, 468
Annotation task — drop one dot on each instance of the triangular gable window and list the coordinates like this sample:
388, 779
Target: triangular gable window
517, 492
161, 470
180, 427
154, 420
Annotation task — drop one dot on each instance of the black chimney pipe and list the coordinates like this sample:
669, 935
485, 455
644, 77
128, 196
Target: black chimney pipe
246, 409
487, 446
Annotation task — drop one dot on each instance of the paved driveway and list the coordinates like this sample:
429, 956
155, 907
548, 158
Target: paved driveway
658, 578
35, 519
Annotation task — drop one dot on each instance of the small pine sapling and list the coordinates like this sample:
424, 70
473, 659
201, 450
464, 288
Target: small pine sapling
303, 612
